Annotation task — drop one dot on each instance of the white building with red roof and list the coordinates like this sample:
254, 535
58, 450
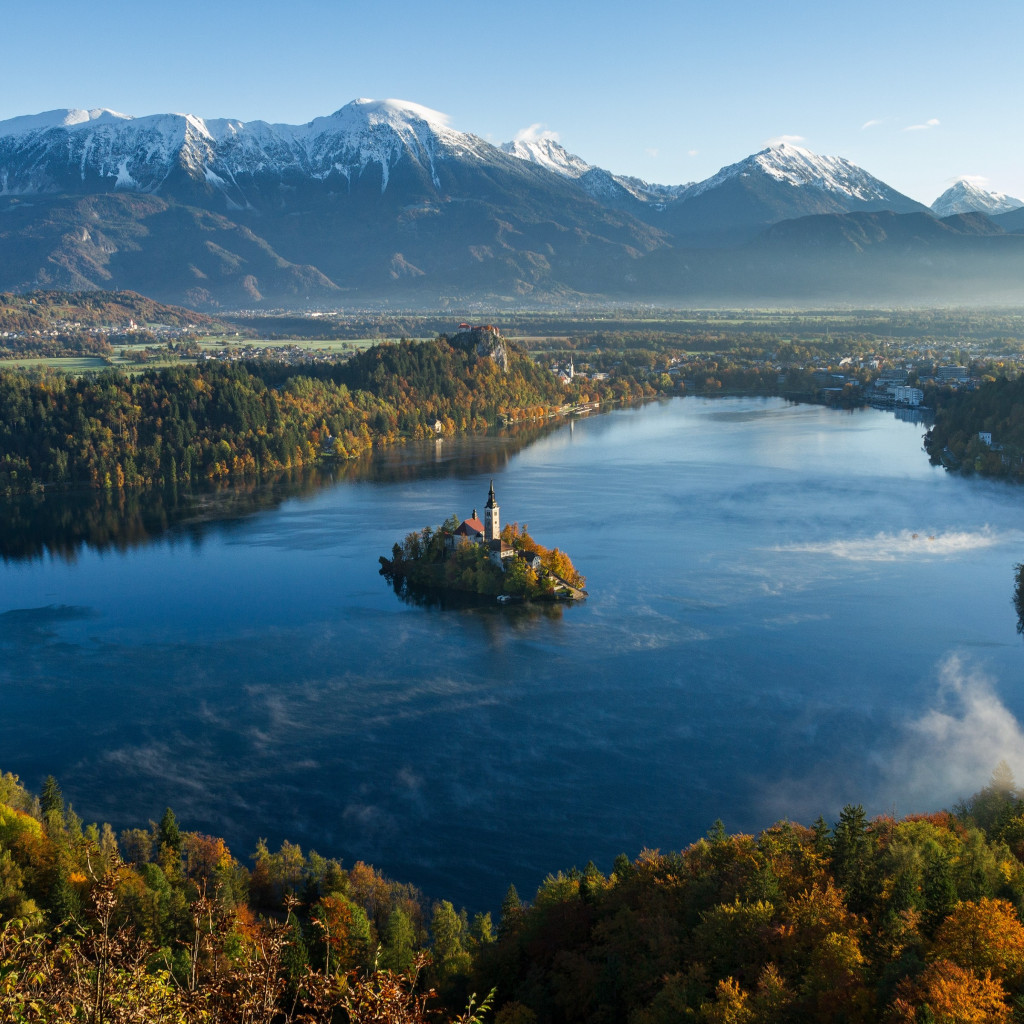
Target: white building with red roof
488, 532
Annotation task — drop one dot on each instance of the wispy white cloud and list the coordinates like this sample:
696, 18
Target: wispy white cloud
871, 124
974, 179
652, 152
778, 140
692, 152
535, 133
902, 546
931, 123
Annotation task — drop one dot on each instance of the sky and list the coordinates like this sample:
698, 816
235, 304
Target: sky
918, 94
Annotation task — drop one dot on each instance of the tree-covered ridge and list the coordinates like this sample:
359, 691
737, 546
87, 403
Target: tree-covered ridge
997, 409
52, 323
46, 310
217, 421
908, 920
871, 920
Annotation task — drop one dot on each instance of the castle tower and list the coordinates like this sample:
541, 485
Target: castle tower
492, 524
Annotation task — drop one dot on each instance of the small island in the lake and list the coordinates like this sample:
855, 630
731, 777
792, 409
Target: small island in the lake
483, 558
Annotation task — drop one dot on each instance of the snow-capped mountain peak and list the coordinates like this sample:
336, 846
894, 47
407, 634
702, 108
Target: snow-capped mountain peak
69, 119
144, 152
548, 152
799, 167
966, 197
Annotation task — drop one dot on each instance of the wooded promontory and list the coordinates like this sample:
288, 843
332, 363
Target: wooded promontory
214, 421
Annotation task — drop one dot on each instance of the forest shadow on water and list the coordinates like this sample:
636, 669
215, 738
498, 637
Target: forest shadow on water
60, 523
479, 605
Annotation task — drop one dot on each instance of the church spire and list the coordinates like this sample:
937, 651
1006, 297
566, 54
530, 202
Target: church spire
492, 525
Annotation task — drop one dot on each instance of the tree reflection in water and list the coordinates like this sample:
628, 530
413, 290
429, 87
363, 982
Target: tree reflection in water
60, 523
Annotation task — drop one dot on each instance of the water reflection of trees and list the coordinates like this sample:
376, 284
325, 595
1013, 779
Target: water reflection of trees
61, 523
485, 606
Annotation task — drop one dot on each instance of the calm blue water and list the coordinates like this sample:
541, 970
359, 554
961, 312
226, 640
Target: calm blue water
790, 609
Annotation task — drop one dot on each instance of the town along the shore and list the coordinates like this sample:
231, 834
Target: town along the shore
475, 556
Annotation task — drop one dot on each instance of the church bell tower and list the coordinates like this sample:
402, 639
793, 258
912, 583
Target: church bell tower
492, 525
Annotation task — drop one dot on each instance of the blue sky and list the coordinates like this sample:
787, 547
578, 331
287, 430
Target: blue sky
670, 92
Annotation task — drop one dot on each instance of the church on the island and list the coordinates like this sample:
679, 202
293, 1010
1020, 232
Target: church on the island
488, 532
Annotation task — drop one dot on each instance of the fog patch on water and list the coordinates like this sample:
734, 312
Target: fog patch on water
905, 545
928, 761
952, 748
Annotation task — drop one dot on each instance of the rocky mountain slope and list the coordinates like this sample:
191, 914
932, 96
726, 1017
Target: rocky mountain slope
385, 201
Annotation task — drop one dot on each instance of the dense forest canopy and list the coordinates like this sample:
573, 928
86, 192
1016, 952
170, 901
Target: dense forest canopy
981, 431
909, 920
219, 421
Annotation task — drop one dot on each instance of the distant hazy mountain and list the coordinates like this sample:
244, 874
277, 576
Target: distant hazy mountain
779, 183
864, 258
384, 200
1012, 221
963, 197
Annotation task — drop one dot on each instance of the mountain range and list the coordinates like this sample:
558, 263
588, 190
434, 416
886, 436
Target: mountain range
383, 201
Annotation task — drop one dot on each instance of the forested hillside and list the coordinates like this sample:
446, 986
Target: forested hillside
868, 920
46, 310
996, 408
215, 421
50, 323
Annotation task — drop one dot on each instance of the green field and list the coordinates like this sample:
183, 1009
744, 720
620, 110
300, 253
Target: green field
68, 364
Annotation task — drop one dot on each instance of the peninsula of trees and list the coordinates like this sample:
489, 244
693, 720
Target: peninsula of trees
981, 431
216, 421
899, 920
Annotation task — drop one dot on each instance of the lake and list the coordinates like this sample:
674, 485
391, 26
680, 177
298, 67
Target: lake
790, 610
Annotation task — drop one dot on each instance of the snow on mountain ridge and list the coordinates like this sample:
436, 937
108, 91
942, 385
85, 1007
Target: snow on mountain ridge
142, 152
549, 153
69, 118
800, 167
45, 152
966, 197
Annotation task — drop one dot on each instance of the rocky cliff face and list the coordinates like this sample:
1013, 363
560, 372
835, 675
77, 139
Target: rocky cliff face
484, 341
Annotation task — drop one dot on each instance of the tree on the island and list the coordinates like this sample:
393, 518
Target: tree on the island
518, 576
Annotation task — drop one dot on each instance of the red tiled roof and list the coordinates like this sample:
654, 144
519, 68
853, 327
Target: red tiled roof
470, 526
